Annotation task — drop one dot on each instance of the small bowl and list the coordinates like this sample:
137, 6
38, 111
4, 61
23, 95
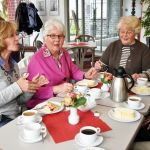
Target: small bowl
134, 101
142, 81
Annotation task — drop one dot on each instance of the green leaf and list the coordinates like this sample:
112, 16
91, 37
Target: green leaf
80, 101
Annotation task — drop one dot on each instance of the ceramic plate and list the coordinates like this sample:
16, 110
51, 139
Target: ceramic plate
21, 137
98, 141
86, 83
142, 105
91, 148
141, 90
44, 110
112, 116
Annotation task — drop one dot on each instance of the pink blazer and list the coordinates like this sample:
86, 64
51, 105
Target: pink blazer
47, 66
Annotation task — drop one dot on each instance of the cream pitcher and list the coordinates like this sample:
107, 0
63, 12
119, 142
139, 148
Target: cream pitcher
119, 87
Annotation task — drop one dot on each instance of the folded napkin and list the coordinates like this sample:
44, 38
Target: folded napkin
99, 85
60, 130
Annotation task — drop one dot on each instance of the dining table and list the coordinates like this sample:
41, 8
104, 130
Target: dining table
79, 50
119, 137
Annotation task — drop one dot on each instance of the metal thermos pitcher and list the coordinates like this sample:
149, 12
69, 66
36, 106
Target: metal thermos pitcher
119, 87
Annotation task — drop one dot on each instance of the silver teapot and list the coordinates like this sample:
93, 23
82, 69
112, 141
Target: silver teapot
120, 86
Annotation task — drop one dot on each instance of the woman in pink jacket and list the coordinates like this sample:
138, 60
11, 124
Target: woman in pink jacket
54, 62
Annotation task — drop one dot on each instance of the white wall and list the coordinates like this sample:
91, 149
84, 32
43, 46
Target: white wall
127, 8
44, 18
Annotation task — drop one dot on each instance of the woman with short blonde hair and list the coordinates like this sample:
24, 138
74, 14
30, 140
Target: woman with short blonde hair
132, 22
127, 52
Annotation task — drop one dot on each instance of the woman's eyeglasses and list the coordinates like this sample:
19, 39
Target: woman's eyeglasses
54, 36
126, 32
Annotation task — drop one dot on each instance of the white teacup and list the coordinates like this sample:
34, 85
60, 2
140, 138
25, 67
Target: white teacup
81, 89
89, 134
134, 101
33, 131
94, 93
29, 116
142, 81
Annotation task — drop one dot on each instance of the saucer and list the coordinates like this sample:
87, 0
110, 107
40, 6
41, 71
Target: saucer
21, 121
21, 137
98, 141
91, 148
141, 106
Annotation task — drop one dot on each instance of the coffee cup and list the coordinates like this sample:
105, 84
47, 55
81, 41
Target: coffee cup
94, 93
81, 89
33, 130
29, 116
89, 134
134, 101
142, 81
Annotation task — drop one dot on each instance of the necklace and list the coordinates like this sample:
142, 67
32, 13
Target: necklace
7, 66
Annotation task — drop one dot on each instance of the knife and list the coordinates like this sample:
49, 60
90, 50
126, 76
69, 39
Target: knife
107, 106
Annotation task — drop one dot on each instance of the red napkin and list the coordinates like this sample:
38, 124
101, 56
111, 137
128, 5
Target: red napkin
59, 128
80, 43
99, 85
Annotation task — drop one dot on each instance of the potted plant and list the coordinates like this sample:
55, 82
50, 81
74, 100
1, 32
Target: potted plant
145, 22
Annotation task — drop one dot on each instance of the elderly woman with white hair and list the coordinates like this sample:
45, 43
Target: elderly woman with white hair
53, 61
127, 52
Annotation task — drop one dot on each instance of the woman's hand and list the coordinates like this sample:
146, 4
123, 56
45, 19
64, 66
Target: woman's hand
63, 88
40, 80
98, 66
32, 86
91, 73
26, 85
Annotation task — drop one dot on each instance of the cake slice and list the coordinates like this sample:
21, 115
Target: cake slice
124, 113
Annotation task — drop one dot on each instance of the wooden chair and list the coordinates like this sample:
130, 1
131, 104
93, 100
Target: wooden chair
84, 38
24, 48
87, 58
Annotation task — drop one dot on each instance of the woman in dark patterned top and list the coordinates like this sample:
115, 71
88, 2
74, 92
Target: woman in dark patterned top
127, 52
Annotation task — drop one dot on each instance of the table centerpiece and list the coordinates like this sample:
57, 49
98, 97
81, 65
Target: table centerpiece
73, 101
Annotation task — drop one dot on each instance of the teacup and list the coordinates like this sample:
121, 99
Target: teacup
134, 101
81, 89
89, 134
142, 81
94, 93
33, 131
29, 116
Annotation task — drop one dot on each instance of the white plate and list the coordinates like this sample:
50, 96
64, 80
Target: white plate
98, 141
20, 120
85, 82
91, 148
42, 110
135, 90
142, 105
112, 116
21, 137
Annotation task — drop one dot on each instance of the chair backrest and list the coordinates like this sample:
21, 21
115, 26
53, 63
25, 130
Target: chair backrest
35, 39
38, 44
84, 38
